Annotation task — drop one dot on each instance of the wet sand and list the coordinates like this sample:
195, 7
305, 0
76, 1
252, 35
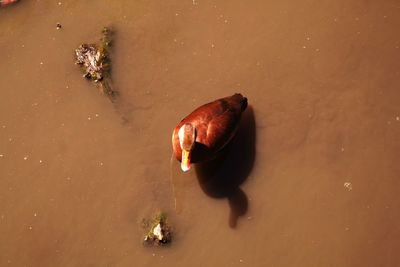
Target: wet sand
79, 173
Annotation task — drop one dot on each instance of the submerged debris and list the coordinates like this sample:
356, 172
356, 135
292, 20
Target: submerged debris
91, 58
96, 63
160, 232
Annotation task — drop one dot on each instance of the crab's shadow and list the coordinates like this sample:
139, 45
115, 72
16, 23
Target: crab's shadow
222, 177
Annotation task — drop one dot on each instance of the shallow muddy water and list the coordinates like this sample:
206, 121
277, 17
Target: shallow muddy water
315, 178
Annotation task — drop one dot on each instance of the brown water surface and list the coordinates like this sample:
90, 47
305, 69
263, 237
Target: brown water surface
79, 173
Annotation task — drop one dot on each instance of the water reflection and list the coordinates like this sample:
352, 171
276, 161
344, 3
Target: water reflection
222, 177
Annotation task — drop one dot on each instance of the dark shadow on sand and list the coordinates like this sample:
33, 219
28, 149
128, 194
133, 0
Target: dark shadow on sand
222, 177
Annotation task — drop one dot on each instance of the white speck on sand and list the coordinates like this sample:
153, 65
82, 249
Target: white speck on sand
397, 118
26, 157
348, 186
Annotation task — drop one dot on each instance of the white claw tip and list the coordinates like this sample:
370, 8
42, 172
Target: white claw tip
185, 167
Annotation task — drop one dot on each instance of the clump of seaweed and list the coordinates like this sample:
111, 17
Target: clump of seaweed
159, 232
96, 63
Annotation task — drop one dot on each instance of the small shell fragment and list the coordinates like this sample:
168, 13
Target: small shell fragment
160, 232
